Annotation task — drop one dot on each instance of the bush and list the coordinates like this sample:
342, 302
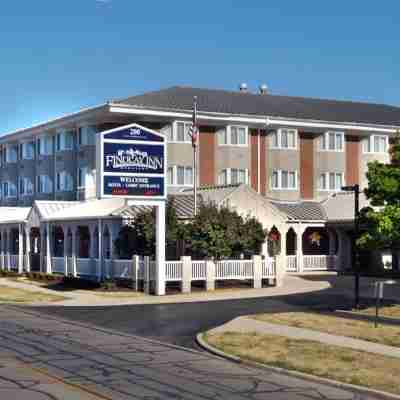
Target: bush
9, 274
108, 284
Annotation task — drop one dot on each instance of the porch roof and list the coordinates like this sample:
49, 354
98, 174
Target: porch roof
301, 210
13, 215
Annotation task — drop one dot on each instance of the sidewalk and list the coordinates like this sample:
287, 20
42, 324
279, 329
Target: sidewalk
248, 325
292, 285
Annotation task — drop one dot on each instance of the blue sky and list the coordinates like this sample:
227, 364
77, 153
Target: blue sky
58, 56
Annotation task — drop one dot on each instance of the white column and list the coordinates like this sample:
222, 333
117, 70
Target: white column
74, 232
282, 264
160, 249
65, 249
20, 249
8, 250
100, 250
48, 249
257, 271
186, 274
28, 250
42, 247
2, 250
135, 275
146, 278
210, 268
299, 248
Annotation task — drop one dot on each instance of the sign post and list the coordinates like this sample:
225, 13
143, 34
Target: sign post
131, 164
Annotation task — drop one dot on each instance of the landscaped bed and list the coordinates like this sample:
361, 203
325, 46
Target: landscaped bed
365, 330
333, 362
14, 295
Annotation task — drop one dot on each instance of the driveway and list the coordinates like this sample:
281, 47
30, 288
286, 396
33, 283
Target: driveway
108, 364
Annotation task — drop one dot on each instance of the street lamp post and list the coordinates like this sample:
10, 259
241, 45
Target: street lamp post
356, 263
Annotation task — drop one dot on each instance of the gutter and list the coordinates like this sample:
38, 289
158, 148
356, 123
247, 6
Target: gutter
263, 121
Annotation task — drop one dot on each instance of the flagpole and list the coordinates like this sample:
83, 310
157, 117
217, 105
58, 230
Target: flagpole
194, 145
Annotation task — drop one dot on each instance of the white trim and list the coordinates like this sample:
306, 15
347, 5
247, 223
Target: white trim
174, 133
280, 188
325, 137
327, 188
229, 176
263, 121
175, 176
370, 142
278, 134
228, 133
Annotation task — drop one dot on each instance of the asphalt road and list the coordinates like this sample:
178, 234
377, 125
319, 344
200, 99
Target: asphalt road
108, 364
179, 323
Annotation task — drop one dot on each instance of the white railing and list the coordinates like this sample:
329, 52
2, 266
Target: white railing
173, 271
86, 266
58, 265
315, 263
291, 263
121, 268
234, 269
268, 268
199, 270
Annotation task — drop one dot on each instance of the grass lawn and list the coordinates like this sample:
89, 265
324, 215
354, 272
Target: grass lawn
333, 362
13, 295
391, 311
384, 333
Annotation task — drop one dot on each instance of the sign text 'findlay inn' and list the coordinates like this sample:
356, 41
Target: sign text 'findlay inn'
134, 159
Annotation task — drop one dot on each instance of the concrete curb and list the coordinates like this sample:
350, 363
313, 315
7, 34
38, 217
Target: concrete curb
355, 388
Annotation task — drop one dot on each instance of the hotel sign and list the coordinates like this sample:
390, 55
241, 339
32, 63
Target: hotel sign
131, 163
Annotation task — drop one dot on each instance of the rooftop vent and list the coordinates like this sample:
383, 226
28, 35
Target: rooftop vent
263, 89
243, 87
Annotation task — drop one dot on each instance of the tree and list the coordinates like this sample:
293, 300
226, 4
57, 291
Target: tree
220, 232
139, 238
381, 224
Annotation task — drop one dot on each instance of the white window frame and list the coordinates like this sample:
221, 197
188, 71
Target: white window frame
227, 132
279, 187
369, 145
61, 143
175, 175
25, 155
10, 185
81, 173
327, 186
66, 181
324, 141
48, 184
27, 186
278, 134
48, 144
228, 173
15, 148
174, 133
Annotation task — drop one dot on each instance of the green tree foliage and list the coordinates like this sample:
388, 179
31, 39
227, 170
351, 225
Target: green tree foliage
220, 232
381, 225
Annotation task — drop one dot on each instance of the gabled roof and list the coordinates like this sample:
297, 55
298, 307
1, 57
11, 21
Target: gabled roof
9, 215
46, 208
301, 210
340, 206
239, 103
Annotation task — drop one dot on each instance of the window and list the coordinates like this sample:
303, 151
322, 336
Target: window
180, 175
181, 132
376, 144
86, 135
284, 139
64, 140
332, 181
9, 189
11, 153
64, 181
233, 176
284, 180
27, 150
44, 184
82, 173
233, 135
25, 186
332, 141
44, 145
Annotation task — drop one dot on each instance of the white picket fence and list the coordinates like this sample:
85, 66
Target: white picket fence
311, 263
234, 269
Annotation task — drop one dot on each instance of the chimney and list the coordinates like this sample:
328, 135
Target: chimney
243, 87
263, 89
